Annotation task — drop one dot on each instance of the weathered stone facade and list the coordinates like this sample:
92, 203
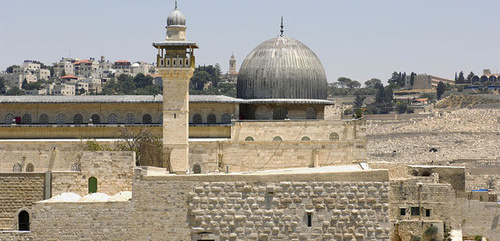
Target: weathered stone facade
343, 205
18, 192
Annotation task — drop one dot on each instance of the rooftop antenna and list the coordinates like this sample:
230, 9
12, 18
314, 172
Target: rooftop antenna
281, 31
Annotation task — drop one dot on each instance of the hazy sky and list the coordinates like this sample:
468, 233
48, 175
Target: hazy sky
358, 39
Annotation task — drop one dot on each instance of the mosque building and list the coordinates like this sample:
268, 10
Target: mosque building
267, 165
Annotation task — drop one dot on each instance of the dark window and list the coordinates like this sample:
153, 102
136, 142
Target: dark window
277, 138
415, 211
147, 119
30, 168
306, 138
78, 119
249, 138
96, 119
402, 211
112, 119
334, 136
17, 168
60, 119
24, 221
309, 219
43, 119
197, 119
280, 114
26, 119
92, 185
130, 118
9, 119
427, 212
310, 113
196, 168
226, 118
211, 119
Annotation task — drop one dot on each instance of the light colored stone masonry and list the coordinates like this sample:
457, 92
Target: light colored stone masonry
344, 205
18, 192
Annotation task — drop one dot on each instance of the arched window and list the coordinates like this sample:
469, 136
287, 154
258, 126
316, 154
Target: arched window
211, 119
26, 119
334, 136
9, 119
277, 138
60, 119
484, 78
24, 221
43, 119
226, 118
112, 119
147, 119
492, 78
30, 168
197, 119
75, 167
249, 138
96, 119
129, 118
196, 168
280, 113
92, 185
310, 113
17, 168
305, 138
78, 119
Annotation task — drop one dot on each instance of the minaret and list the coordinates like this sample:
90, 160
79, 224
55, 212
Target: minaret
232, 65
176, 62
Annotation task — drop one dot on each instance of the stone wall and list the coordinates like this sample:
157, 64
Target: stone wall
264, 155
84, 221
348, 205
478, 218
423, 193
18, 191
113, 171
318, 130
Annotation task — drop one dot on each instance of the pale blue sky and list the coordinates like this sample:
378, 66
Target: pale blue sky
357, 39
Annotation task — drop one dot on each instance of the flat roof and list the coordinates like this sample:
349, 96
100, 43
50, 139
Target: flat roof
150, 99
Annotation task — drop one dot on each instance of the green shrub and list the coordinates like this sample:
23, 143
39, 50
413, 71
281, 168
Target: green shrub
431, 230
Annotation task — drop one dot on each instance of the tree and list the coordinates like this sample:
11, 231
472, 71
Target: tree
440, 89
412, 78
371, 83
142, 81
199, 79
10, 69
461, 78
15, 91
358, 102
380, 96
388, 96
396, 80
353, 84
343, 81
470, 77
490, 182
2, 85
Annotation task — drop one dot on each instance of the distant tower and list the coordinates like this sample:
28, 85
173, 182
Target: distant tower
232, 65
175, 62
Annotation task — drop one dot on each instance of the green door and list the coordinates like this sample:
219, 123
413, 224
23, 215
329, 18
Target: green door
92, 185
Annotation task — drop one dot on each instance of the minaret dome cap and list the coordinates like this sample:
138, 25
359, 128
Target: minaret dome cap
176, 18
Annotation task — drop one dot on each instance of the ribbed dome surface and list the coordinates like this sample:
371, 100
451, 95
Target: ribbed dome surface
283, 68
176, 18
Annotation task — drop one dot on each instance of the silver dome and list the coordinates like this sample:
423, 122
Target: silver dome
176, 18
282, 68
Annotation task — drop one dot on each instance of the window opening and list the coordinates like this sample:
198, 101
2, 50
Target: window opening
92, 185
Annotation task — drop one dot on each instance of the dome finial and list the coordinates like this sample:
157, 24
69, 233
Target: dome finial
175, 4
281, 31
